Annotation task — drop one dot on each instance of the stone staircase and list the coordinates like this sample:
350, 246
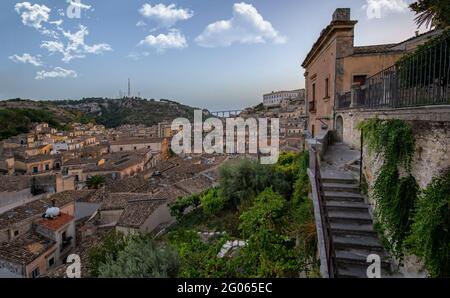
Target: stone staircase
353, 235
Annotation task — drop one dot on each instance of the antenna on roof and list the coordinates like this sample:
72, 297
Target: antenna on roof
129, 88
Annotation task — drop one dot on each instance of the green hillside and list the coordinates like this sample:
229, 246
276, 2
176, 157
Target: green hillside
117, 112
17, 116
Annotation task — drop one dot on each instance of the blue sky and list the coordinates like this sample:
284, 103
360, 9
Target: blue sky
215, 54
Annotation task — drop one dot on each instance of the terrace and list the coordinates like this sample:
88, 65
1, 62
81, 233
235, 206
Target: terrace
420, 79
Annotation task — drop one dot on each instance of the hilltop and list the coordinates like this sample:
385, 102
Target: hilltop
117, 112
17, 115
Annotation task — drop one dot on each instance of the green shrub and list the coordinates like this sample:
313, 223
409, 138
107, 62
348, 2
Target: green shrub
178, 208
430, 232
108, 250
141, 258
212, 201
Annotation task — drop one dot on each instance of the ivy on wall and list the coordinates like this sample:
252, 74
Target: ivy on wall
430, 231
395, 195
413, 220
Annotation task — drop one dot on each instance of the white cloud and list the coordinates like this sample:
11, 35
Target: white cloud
141, 24
377, 9
246, 26
173, 40
137, 56
27, 58
75, 47
33, 15
57, 72
166, 16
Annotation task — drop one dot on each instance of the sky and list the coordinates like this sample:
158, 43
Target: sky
214, 54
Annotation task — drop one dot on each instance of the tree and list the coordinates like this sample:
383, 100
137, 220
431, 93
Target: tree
141, 258
95, 182
432, 13
112, 244
269, 252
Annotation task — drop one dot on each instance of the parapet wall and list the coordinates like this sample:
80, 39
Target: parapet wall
431, 127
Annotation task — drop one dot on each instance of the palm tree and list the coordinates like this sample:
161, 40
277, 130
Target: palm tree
95, 182
434, 13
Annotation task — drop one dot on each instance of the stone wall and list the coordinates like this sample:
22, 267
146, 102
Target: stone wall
431, 127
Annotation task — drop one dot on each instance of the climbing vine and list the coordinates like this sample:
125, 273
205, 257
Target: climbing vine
395, 195
430, 231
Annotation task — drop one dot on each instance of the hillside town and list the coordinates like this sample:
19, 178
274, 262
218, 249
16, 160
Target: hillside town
61, 191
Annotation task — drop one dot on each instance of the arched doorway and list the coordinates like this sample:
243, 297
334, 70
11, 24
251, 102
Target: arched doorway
339, 129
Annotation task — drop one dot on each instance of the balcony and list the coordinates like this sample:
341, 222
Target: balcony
421, 79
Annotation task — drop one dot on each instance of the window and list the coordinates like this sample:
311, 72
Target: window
16, 233
327, 88
135, 148
121, 148
47, 167
35, 170
359, 80
314, 92
35, 273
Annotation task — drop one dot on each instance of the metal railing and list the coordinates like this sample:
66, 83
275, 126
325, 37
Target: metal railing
344, 100
326, 247
326, 227
420, 79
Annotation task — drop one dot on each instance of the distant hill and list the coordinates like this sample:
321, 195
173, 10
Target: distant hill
117, 112
17, 116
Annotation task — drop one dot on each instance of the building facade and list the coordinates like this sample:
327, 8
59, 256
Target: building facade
275, 98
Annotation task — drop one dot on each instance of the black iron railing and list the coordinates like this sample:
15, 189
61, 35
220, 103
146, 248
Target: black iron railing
344, 100
420, 79
326, 227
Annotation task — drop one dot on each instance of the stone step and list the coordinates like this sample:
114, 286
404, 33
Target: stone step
356, 242
359, 257
350, 215
351, 270
343, 196
333, 205
353, 168
352, 228
341, 180
340, 187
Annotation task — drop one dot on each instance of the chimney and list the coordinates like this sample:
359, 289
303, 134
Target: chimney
417, 33
341, 14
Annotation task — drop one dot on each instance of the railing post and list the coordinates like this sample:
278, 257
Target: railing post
353, 97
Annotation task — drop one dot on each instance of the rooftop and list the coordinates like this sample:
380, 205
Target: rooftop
374, 49
119, 201
56, 223
130, 141
25, 249
35, 209
14, 183
138, 211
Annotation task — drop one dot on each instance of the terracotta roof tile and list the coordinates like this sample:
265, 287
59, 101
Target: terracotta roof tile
56, 223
